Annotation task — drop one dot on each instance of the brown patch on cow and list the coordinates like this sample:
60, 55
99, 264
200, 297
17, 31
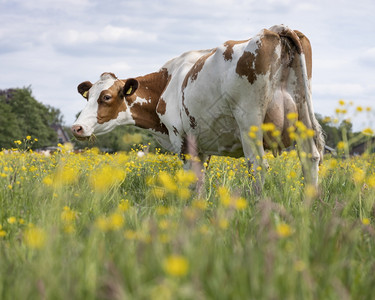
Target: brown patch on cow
193, 72
193, 122
110, 103
151, 87
306, 46
175, 130
193, 75
251, 65
161, 107
228, 53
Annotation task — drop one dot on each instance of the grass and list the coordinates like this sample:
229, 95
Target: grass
97, 226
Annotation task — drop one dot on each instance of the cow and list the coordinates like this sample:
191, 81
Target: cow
215, 96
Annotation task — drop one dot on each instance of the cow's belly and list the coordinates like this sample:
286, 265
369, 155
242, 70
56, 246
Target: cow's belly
220, 136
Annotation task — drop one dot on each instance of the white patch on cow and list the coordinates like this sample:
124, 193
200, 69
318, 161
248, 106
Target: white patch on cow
88, 117
141, 101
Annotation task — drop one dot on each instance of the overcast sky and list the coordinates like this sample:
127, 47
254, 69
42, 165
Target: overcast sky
53, 45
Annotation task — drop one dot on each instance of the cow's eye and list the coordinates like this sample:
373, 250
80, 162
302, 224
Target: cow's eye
107, 97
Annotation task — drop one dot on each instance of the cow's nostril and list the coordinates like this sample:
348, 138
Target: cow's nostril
77, 130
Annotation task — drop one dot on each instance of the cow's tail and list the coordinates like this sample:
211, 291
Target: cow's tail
284, 31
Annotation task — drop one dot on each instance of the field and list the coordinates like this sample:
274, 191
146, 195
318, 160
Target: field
124, 226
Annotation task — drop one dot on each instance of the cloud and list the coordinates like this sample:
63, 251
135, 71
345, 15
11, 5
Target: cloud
55, 45
368, 58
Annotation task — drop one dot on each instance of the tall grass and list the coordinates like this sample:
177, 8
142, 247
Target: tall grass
98, 226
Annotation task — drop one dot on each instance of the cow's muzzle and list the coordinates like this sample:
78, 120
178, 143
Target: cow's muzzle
78, 132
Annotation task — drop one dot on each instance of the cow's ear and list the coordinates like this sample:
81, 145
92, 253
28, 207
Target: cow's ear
83, 89
130, 87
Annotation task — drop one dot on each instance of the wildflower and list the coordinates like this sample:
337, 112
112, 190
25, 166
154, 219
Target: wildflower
310, 191
292, 116
240, 203
254, 128
167, 182
224, 196
176, 265
28, 138
371, 181
268, 127
223, 223
359, 108
124, 205
365, 221
116, 221
200, 204
2, 232
106, 177
358, 175
252, 135
283, 230
18, 142
186, 178
368, 108
341, 145
68, 215
12, 220
35, 237
341, 102
368, 131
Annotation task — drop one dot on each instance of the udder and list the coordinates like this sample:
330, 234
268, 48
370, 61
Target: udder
281, 105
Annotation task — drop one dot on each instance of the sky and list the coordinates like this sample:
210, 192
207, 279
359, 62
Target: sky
53, 45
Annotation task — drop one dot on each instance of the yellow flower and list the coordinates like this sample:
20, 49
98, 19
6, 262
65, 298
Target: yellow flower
35, 237
124, 205
176, 265
283, 230
358, 176
365, 221
12, 220
167, 182
341, 145
28, 138
200, 204
292, 116
224, 196
241, 203
116, 221
106, 177
268, 127
254, 128
368, 131
68, 215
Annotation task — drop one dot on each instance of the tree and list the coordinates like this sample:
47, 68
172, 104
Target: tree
22, 115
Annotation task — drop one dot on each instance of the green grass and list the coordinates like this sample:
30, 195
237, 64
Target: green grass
92, 226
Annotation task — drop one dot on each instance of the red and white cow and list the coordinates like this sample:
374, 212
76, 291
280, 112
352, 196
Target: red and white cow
214, 95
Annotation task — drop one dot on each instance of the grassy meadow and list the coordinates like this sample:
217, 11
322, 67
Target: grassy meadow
128, 226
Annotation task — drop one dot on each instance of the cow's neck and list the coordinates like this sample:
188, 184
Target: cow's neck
143, 109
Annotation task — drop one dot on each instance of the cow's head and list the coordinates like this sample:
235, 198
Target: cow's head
107, 105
